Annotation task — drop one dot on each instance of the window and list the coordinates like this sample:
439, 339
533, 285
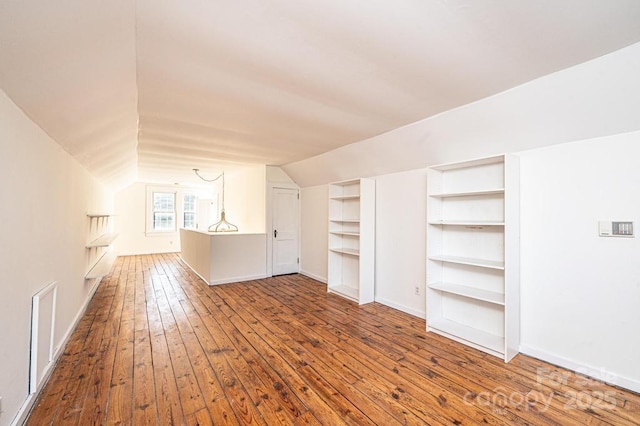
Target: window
189, 211
164, 211
171, 207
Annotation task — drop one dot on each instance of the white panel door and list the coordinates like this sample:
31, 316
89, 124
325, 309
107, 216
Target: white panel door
285, 231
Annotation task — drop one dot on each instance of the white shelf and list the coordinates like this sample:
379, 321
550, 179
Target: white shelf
482, 263
346, 182
468, 193
350, 252
351, 239
470, 292
346, 197
101, 267
494, 159
473, 216
472, 335
467, 222
350, 234
102, 241
100, 257
346, 291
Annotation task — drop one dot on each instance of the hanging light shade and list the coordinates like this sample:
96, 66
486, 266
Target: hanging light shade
222, 225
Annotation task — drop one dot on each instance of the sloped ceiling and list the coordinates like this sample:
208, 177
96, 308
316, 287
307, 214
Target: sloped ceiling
150, 89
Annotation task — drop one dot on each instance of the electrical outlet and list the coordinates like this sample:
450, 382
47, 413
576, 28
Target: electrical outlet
417, 290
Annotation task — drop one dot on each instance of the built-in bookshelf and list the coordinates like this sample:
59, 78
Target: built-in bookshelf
351, 258
473, 272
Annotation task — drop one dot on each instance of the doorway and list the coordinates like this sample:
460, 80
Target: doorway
285, 230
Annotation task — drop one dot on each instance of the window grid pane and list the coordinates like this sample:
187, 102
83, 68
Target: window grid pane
189, 211
163, 221
163, 201
189, 203
164, 211
189, 220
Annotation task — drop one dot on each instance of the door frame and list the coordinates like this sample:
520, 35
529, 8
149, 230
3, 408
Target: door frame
269, 219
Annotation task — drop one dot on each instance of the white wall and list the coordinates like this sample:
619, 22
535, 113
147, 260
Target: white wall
581, 292
226, 257
598, 98
401, 240
244, 204
314, 231
275, 174
131, 219
45, 197
245, 198
595, 99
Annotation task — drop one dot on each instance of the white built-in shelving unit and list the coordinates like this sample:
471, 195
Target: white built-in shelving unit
473, 260
352, 239
100, 255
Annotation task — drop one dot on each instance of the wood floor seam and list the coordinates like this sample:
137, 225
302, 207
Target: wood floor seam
157, 345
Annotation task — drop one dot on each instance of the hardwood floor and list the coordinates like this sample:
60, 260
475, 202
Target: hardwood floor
158, 346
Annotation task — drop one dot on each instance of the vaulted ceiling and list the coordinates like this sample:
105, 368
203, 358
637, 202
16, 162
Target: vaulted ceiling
149, 89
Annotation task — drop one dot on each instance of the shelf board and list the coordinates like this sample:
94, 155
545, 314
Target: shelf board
467, 222
96, 214
351, 252
494, 159
345, 197
345, 220
346, 182
102, 241
351, 234
468, 194
346, 291
101, 267
478, 337
483, 263
470, 292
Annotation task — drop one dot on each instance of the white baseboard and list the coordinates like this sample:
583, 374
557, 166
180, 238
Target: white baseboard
229, 280
314, 276
582, 369
26, 407
411, 311
194, 271
226, 280
144, 253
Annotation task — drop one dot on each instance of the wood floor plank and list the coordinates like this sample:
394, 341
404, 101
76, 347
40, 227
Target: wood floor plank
94, 407
144, 396
167, 399
215, 359
381, 362
120, 408
341, 379
156, 345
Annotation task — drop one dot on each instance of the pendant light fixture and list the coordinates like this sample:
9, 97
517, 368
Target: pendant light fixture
222, 225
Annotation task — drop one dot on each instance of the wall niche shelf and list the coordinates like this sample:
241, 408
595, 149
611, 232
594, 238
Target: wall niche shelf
352, 239
99, 253
473, 271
